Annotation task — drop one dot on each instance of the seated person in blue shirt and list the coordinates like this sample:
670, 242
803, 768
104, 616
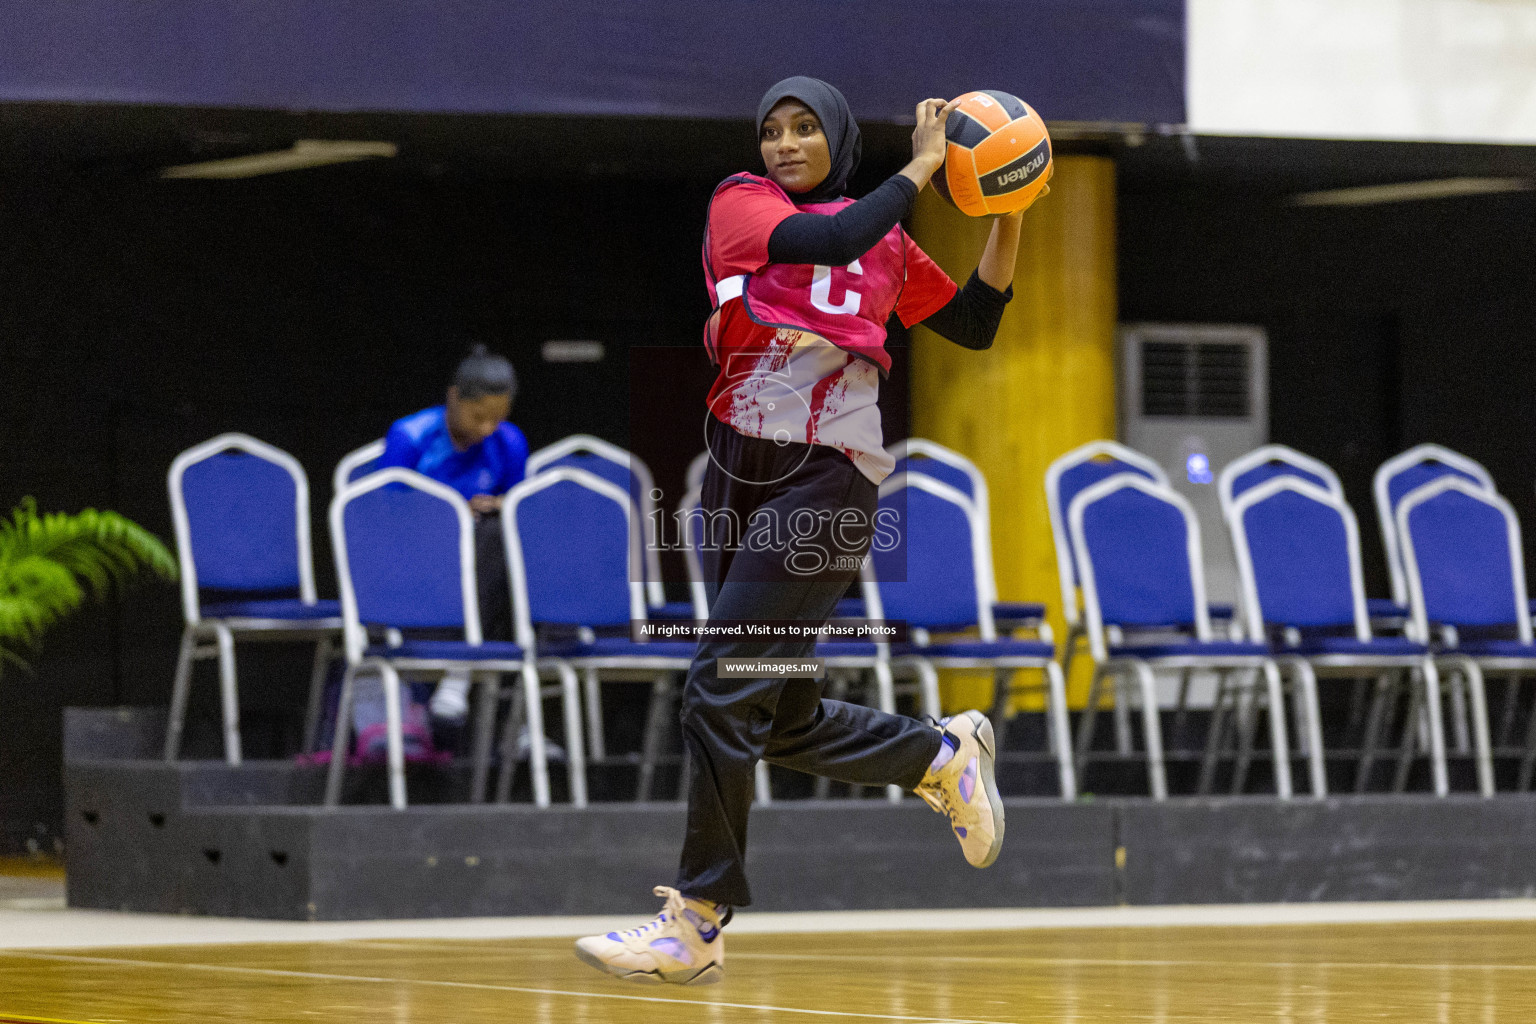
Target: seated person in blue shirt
468, 444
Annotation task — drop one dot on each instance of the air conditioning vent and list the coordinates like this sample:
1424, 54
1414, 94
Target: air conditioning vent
1196, 380
1194, 397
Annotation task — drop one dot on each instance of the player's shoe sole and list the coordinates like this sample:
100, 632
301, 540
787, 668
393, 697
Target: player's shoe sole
987, 741
709, 974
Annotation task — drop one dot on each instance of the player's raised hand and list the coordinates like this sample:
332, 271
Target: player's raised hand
928, 136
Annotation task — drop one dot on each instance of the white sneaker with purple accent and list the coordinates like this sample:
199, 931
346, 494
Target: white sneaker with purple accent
682, 946
964, 787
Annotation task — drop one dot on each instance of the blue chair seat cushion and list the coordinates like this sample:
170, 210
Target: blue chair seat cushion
1191, 649
449, 650
852, 649
282, 608
1385, 608
672, 610
1381, 647
849, 608
1002, 611
1493, 649
979, 649
622, 647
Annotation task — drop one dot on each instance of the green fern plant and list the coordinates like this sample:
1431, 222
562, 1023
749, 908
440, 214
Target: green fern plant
51, 562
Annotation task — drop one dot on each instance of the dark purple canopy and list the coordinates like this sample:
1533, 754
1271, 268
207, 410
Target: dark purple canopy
1088, 60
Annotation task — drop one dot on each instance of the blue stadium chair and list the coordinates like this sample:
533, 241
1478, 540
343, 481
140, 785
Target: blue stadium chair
574, 555
356, 464
1403, 473
933, 577
1274, 460
1465, 568
918, 455
627, 471
241, 513
1298, 560
405, 559
1065, 478
1138, 554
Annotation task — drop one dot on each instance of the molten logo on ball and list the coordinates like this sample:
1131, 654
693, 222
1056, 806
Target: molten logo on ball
1019, 173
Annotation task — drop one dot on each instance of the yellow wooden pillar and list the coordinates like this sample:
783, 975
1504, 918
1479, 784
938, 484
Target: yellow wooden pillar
1046, 385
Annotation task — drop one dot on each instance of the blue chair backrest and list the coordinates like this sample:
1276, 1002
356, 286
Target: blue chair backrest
1084, 475
624, 470
405, 552
1069, 475
927, 577
1266, 471
1137, 544
242, 514
1461, 543
1404, 473
357, 464
941, 471
574, 538
1416, 476
360, 470
615, 473
1302, 554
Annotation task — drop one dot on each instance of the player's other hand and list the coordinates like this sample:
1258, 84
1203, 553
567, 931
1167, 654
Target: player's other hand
1045, 190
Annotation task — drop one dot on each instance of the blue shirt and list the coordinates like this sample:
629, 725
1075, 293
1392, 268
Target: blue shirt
421, 442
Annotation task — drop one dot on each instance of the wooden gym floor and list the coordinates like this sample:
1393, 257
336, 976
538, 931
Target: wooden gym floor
1442, 972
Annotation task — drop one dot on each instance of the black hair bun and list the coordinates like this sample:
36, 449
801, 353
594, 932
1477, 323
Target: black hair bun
483, 372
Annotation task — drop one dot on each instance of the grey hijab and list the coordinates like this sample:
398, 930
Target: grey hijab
837, 123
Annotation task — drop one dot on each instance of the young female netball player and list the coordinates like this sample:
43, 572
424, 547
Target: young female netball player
803, 281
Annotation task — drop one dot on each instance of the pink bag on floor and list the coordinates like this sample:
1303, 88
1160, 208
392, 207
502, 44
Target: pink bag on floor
370, 744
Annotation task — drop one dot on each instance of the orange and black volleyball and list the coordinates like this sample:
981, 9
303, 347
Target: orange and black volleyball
998, 157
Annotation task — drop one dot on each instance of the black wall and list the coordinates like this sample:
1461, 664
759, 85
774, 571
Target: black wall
1389, 325
309, 310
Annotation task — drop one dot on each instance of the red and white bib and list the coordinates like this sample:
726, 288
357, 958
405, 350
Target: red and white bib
801, 348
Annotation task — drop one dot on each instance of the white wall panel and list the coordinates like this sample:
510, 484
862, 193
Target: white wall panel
1445, 70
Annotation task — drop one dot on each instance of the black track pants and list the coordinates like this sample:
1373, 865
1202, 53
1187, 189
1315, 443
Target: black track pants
729, 724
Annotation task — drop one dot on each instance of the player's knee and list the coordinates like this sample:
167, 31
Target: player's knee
704, 717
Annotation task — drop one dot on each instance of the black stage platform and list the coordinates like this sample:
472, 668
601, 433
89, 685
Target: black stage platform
200, 837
